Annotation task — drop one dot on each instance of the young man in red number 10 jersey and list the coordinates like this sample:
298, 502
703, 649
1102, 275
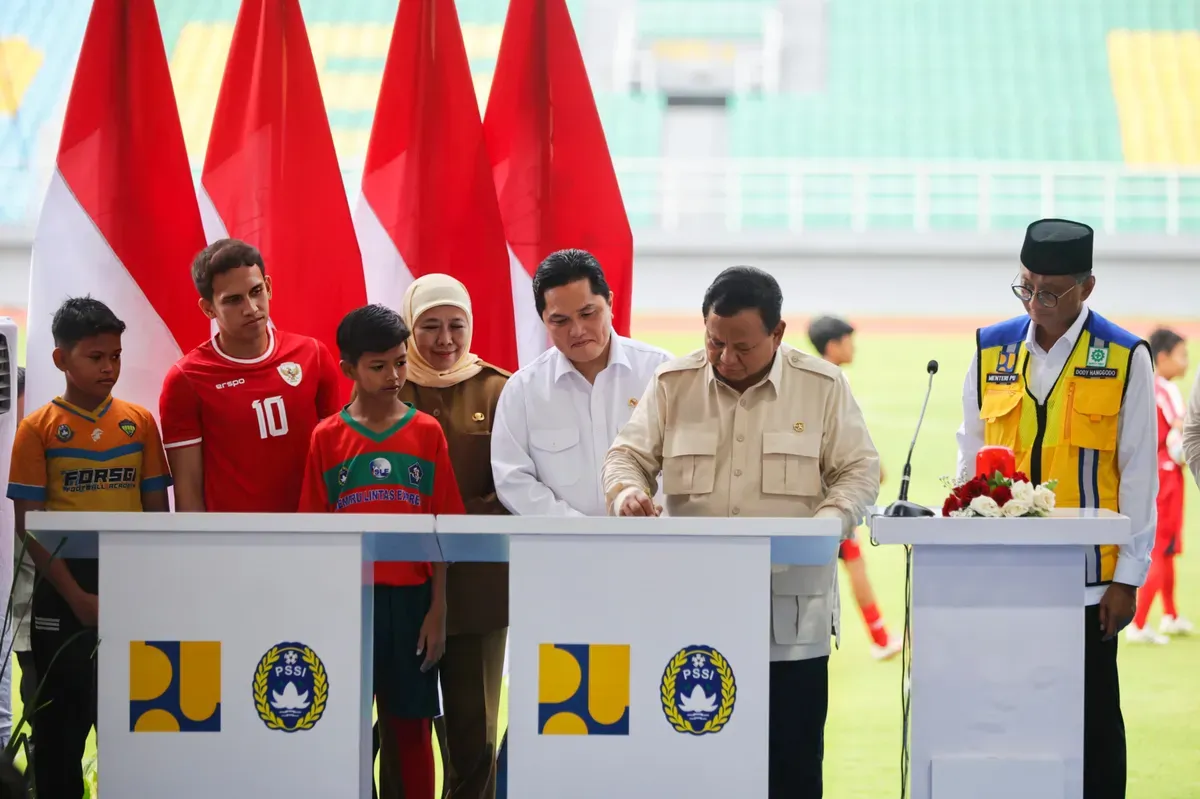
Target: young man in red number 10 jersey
238, 411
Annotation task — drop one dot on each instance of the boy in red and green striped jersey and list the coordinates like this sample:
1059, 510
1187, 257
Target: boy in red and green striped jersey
380, 455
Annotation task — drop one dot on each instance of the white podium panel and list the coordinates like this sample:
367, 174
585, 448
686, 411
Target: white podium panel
209, 588
235, 652
997, 652
639, 650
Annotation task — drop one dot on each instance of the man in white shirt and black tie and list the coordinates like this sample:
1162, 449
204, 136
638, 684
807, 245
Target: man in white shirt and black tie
557, 416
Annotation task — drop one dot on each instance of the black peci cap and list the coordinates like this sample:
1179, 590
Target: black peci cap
1057, 247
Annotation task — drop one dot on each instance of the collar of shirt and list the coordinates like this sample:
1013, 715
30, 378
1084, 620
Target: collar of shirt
774, 375
616, 357
1070, 337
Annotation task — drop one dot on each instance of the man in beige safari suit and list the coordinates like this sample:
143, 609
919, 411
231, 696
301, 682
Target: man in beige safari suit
753, 427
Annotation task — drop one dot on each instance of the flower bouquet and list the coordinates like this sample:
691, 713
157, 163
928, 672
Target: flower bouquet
1005, 494
999, 496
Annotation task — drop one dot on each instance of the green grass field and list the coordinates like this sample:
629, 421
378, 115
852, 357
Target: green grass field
1160, 685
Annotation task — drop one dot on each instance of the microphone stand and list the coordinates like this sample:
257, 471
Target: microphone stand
902, 508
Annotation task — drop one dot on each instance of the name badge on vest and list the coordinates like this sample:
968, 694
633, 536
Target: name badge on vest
1003, 379
1093, 371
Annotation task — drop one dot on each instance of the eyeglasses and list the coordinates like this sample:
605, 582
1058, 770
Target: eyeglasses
1047, 299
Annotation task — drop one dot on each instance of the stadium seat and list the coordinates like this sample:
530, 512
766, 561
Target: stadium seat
1156, 83
37, 59
701, 19
906, 83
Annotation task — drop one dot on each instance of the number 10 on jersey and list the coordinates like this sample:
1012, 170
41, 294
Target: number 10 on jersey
272, 417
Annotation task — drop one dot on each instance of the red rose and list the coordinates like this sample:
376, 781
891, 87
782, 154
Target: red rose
1020, 477
976, 488
1001, 494
951, 504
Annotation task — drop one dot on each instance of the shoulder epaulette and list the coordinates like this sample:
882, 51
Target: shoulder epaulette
684, 363
809, 363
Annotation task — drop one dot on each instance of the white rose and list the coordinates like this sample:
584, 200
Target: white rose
1023, 492
985, 506
1043, 499
1015, 508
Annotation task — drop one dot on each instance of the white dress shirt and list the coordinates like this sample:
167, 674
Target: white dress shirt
1191, 431
552, 428
1137, 448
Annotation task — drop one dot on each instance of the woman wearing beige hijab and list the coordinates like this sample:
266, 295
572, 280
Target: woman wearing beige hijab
446, 380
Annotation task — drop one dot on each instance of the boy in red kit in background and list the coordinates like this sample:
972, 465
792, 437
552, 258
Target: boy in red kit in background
1170, 362
833, 339
381, 455
238, 410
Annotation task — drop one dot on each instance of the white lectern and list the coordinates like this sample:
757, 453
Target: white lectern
997, 653
639, 647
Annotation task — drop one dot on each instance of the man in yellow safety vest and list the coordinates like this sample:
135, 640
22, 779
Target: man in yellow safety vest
1072, 394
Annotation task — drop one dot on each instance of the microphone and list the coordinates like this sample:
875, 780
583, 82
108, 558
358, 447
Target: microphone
902, 507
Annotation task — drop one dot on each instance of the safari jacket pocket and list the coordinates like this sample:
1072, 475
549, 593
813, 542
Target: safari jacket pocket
1093, 414
791, 463
802, 605
689, 461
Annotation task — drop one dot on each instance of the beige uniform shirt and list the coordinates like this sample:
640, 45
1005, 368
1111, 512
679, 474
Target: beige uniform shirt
1191, 431
793, 445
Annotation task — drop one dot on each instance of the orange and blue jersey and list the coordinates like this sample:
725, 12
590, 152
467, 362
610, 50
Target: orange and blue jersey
70, 459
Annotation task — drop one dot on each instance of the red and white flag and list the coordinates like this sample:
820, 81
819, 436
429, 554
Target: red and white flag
428, 204
554, 177
271, 173
120, 220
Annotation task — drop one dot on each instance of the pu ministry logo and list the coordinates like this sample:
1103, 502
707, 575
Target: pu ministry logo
583, 689
174, 686
698, 691
291, 687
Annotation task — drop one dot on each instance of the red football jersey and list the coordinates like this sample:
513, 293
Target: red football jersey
252, 418
406, 469
1171, 408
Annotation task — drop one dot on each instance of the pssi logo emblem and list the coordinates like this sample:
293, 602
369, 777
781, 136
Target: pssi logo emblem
698, 691
174, 686
64, 433
127, 427
583, 689
343, 475
290, 687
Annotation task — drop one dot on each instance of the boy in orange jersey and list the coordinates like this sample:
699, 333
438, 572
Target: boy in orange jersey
84, 451
380, 455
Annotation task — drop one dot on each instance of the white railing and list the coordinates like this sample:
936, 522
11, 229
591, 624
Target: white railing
794, 195
858, 196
